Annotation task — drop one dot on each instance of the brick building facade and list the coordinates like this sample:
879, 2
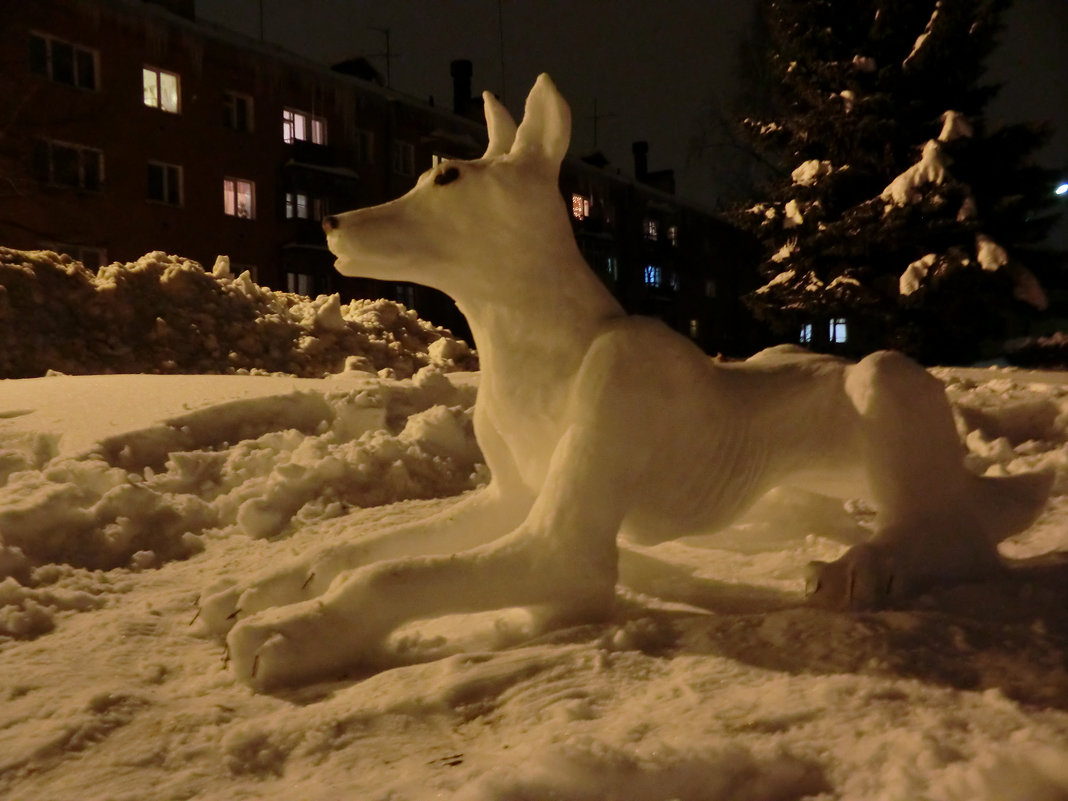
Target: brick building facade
130, 127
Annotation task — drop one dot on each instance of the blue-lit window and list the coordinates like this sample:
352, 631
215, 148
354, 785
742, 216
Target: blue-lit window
806, 334
838, 332
653, 276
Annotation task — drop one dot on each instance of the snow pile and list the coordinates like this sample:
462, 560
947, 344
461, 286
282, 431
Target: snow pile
164, 314
258, 467
699, 688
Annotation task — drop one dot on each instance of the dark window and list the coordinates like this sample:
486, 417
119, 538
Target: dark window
165, 183
38, 55
69, 165
63, 62
237, 112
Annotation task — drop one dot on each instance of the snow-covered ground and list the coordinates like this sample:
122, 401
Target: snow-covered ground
131, 494
125, 497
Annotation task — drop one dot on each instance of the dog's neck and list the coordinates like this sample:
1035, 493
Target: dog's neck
546, 288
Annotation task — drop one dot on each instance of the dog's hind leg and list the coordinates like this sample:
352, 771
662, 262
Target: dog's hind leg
561, 561
936, 521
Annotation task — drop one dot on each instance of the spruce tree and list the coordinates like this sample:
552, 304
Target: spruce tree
896, 209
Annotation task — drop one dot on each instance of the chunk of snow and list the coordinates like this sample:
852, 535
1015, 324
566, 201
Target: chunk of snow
785, 252
930, 169
809, 172
991, 255
955, 126
792, 212
864, 63
915, 274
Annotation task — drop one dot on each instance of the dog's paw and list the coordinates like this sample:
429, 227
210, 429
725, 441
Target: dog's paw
226, 604
862, 578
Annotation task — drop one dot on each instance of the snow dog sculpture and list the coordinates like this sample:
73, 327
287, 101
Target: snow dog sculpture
585, 446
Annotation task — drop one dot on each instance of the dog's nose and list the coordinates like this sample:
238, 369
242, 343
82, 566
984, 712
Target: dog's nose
329, 223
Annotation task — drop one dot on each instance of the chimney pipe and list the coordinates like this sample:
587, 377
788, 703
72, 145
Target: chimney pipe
461, 71
641, 160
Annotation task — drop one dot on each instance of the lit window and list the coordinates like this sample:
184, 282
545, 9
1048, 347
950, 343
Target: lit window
165, 183
837, 330
612, 267
64, 164
580, 207
304, 207
161, 89
237, 111
651, 229
673, 235
695, 329
239, 198
653, 276
403, 158
299, 126
806, 334
63, 62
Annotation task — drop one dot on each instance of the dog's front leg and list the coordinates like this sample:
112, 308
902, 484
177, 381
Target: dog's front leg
478, 518
561, 561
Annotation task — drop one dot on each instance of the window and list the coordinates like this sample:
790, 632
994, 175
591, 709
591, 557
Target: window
161, 89
237, 112
695, 328
710, 287
673, 235
69, 165
838, 332
612, 267
653, 276
299, 283
404, 294
239, 198
63, 62
403, 158
303, 207
651, 229
92, 257
806, 334
580, 207
365, 146
299, 126
165, 183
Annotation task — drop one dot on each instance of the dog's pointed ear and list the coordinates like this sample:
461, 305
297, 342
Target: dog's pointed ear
500, 124
546, 128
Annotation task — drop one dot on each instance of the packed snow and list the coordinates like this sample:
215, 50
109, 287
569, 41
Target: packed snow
717, 682
164, 314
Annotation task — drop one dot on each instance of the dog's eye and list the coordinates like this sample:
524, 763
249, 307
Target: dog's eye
449, 175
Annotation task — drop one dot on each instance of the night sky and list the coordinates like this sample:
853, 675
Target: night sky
653, 68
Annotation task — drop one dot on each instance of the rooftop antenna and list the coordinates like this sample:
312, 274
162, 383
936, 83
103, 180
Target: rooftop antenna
389, 55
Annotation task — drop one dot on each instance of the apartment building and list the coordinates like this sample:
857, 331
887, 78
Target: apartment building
130, 126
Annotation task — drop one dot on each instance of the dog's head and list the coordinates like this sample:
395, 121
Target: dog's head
462, 221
